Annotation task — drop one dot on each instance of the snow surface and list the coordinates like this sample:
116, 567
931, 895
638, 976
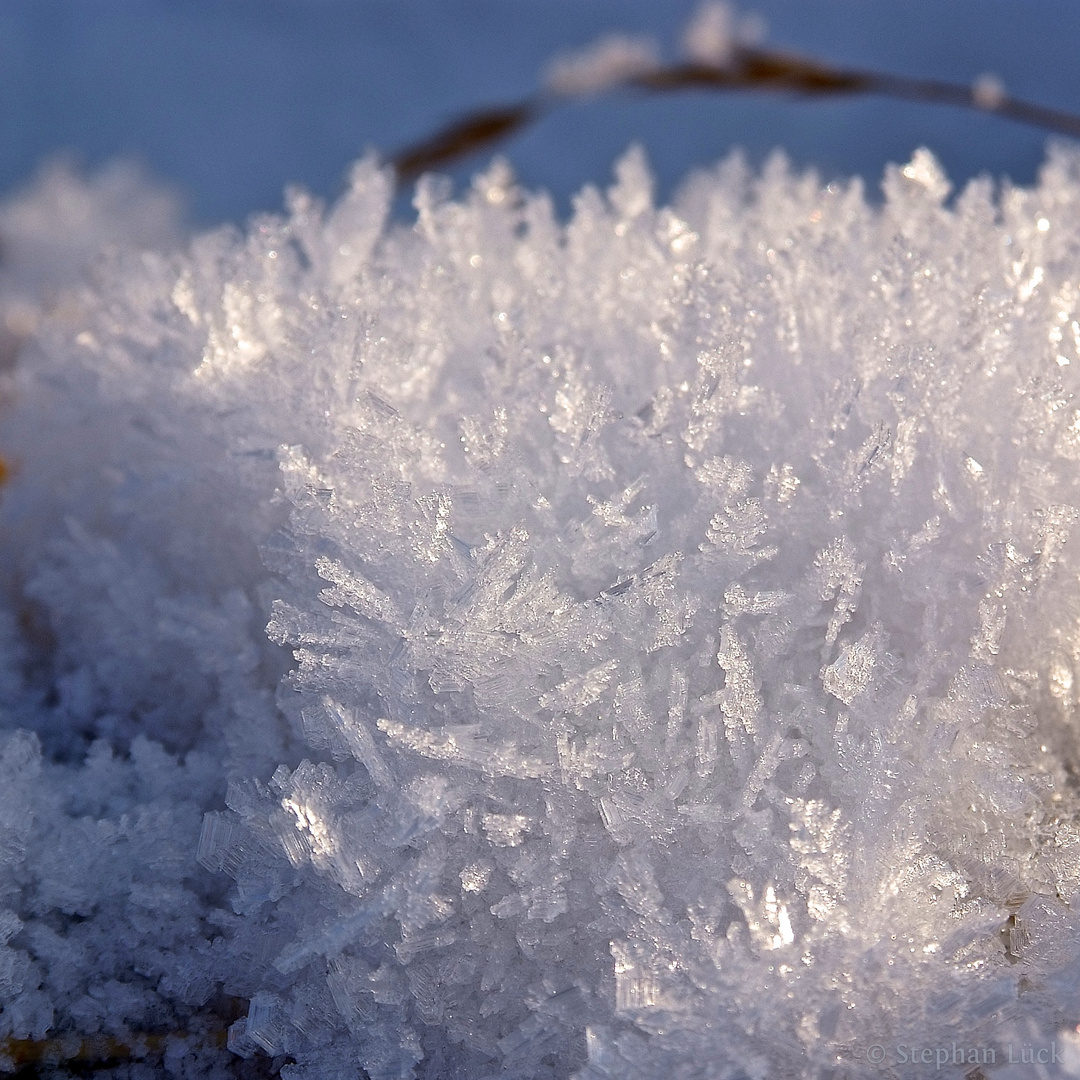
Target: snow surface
638, 647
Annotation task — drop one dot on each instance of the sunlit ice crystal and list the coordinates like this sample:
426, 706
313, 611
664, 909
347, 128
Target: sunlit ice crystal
632, 647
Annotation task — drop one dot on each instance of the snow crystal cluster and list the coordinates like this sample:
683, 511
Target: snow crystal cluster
644, 646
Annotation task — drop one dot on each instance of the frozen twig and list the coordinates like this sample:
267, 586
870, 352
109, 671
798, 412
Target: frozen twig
740, 68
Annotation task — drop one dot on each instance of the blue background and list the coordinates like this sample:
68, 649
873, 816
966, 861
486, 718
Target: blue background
229, 101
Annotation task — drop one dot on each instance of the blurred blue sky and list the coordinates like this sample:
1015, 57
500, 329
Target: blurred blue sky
231, 99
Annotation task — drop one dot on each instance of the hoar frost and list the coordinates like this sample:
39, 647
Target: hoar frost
632, 648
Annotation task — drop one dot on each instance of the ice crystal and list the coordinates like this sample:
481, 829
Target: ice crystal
716, 32
636, 647
605, 64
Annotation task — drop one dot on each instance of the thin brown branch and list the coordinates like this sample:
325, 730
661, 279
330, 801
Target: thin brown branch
943, 93
749, 70
89, 1053
757, 70
94, 1050
463, 137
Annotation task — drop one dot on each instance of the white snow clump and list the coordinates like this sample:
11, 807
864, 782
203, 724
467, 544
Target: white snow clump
604, 64
632, 648
716, 33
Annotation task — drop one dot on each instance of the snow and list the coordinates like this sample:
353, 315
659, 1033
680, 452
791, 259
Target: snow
637, 646
716, 31
988, 92
607, 63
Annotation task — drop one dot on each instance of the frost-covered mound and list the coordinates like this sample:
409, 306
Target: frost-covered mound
685, 635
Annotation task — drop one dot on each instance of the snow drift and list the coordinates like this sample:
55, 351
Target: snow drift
637, 647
